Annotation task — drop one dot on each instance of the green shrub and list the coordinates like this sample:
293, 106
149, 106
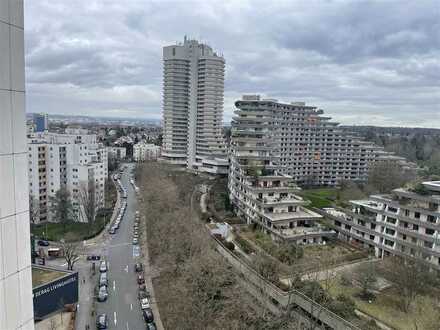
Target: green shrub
245, 245
230, 246
344, 306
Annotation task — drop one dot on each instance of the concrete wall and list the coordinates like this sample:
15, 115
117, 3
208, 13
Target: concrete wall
15, 260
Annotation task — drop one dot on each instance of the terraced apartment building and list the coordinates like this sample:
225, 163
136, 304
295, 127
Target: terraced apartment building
315, 151
193, 88
405, 223
260, 192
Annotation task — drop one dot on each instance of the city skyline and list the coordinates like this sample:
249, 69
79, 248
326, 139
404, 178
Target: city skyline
380, 72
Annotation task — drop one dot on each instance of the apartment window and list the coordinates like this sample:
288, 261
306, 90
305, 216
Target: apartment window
417, 215
415, 227
431, 219
429, 231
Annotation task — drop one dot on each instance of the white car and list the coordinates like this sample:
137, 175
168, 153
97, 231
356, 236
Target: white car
103, 267
145, 303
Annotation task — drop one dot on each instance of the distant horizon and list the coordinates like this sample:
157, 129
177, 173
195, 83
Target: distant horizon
224, 123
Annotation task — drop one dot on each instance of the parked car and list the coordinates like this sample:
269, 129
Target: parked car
151, 326
102, 294
103, 279
141, 279
143, 294
43, 242
135, 241
101, 321
93, 257
112, 231
103, 267
145, 303
147, 313
138, 267
142, 287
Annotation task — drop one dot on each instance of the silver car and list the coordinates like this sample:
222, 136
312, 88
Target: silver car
103, 279
103, 293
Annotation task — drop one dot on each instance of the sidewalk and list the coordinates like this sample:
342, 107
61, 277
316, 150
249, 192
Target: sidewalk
149, 273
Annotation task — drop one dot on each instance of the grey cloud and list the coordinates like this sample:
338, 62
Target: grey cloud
362, 61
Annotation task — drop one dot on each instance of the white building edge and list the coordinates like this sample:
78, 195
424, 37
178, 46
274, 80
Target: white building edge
16, 305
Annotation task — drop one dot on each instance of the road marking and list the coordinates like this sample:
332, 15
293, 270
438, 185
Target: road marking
127, 326
131, 306
114, 285
116, 321
126, 268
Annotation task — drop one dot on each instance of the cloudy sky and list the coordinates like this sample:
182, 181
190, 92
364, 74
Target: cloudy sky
363, 62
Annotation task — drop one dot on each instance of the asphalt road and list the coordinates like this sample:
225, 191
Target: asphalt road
122, 306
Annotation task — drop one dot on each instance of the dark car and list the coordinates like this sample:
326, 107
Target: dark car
101, 321
142, 287
151, 326
148, 315
142, 294
93, 257
42, 242
138, 267
140, 279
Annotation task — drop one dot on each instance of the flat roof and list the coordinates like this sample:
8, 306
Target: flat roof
43, 275
298, 215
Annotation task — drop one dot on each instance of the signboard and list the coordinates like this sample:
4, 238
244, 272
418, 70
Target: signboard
51, 297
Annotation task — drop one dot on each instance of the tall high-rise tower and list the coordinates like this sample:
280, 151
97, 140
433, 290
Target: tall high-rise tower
193, 107
16, 309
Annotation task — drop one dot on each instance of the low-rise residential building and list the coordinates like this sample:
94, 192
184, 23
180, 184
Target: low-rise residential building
145, 151
71, 160
117, 152
258, 189
405, 223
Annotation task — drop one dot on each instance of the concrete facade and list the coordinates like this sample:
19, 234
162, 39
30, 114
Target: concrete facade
16, 311
71, 160
404, 223
145, 151
258, 189
313, 150
193, 107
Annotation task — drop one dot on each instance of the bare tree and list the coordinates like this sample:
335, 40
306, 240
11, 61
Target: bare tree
90, 201
71, 253
367, 278
384, 177
61, 207
34, 209
411, 277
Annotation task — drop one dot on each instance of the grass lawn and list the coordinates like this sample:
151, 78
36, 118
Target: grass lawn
74, 231
78, 231
320, 197
386, 307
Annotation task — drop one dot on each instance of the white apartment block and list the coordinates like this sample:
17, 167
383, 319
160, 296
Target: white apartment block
145, 151
193, 88
313, 150
403, 223
72, 160
117, 152
259, 191
16, 305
